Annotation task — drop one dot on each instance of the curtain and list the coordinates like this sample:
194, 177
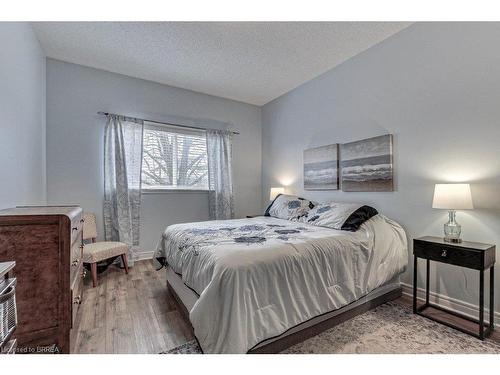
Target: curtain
122, 181
220, 177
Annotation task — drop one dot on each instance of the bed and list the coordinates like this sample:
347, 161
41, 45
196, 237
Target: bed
261, 284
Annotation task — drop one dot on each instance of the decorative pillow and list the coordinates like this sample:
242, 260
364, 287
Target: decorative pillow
344, 216
289, 207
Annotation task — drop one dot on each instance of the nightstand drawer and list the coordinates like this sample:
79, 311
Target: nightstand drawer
449, 254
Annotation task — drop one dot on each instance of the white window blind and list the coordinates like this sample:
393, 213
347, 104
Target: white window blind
174, 158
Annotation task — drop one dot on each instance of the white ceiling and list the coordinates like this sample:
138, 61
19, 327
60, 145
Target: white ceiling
253, 62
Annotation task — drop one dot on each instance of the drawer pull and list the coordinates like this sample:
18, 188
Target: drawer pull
82, 220
77, 300
444, 253
74, 228
84, 273
75, 262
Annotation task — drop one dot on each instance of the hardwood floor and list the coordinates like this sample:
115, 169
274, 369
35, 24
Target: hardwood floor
129, 313
134, 313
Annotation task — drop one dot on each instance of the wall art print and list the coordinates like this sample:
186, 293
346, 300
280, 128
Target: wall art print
321, 166
366, 165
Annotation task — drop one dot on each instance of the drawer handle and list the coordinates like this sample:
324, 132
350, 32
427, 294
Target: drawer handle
74, 228
82, 220
444, 253
75, 262
84, 273
77, 300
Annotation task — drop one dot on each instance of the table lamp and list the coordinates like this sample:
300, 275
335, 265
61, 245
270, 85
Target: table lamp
452, 197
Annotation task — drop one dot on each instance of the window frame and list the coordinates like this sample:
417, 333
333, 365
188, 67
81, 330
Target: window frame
155, 190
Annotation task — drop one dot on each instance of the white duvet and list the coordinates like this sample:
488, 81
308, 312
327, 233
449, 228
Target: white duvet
258, 277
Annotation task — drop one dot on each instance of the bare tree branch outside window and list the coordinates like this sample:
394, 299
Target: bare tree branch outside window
174, 159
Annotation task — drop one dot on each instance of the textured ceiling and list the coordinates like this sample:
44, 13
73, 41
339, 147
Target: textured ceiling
253, 62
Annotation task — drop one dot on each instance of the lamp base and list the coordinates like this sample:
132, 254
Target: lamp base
452, 229
452, 240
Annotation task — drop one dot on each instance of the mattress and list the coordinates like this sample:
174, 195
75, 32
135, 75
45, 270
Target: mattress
257, 278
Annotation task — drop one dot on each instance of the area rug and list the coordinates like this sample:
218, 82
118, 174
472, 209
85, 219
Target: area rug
389, 328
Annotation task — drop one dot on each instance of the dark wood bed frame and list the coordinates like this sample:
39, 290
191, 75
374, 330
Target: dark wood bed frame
308, 332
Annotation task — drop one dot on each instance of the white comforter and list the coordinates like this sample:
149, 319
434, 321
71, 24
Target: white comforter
258, 277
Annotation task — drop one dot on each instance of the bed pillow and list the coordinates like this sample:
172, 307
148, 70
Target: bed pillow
343, 216
288, 207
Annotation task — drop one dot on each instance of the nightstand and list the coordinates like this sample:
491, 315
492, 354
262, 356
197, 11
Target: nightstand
473, 255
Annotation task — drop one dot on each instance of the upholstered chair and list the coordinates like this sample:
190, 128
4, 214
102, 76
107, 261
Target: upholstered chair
97, 251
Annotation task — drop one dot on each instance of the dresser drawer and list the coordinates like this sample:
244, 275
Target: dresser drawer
76, 269
76, 228
75, 259
76, 293
449, 254
76, 251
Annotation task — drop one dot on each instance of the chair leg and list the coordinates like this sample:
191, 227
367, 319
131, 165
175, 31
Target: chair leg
93, 268
125, 263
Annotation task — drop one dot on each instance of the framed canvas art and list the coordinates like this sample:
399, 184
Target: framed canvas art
321, 166
367, 164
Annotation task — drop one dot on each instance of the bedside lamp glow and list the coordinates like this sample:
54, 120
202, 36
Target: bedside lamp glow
452, 197
275, 191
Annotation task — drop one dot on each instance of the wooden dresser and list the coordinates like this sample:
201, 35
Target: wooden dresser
46, 244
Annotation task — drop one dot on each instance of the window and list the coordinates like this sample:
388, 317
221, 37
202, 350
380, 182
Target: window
174, 158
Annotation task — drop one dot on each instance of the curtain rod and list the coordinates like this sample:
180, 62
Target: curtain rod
159, 122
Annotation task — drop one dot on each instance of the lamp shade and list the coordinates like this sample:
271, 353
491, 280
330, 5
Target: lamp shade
275, 191
452, 197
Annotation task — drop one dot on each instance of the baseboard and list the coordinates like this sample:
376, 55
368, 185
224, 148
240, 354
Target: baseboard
143, 255
456, 305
